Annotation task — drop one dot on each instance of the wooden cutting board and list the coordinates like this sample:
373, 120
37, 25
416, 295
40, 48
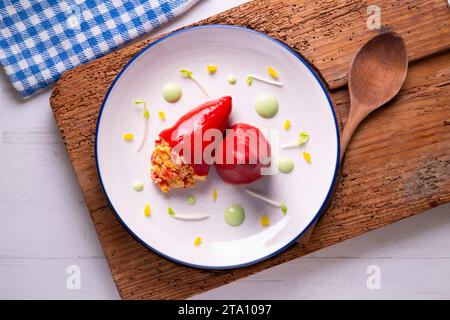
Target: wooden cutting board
397, 165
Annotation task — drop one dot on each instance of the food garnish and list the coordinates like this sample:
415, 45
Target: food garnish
175, 163
215, 195
146, 115
128, 137
138, 186
251, 77
257, 195
197, 241
191, 200
186, 73
189, 75
147, 210
307, 157
304, 137
271, 71
162, 115
265, 221
287, 125
172, 92
232, 79
190, 217
234, 215
266, 105
285, 164
211, 69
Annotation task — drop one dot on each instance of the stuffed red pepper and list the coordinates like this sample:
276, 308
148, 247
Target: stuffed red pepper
242, 155
177, 161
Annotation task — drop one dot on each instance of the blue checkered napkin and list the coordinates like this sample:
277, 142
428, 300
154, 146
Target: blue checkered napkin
39, 39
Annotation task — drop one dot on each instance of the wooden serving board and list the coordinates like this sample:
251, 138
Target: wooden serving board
397, 165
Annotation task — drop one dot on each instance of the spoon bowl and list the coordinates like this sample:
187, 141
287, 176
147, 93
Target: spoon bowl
378, 70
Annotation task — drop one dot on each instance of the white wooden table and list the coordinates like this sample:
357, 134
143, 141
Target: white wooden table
45, 227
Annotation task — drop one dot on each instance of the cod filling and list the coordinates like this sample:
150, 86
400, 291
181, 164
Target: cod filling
168, 170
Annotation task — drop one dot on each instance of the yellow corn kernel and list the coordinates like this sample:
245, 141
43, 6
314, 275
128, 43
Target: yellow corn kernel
307, 157
128, 137
215, 195
162, 115
197, 241
211, 69
265, 221
287, 125
147, 211
272, 72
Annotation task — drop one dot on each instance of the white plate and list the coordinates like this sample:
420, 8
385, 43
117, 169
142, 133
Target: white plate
302, 100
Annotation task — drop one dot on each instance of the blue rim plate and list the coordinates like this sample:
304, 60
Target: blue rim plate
122, 86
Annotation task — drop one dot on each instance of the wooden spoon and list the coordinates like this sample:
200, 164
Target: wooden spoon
377, 72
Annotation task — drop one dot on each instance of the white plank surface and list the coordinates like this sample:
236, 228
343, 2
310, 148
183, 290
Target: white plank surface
45, 227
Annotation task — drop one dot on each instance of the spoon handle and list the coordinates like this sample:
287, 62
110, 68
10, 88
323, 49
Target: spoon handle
357, 114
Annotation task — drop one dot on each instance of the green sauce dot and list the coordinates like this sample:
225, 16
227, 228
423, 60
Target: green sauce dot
138, 186
266, 105
172, 92
191, 200
234, 215
285, 164
232, 80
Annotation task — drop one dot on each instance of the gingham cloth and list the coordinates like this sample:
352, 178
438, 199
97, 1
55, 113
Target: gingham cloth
39, 40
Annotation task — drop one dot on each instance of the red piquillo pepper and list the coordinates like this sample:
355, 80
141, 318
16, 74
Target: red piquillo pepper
177, 161
242, 155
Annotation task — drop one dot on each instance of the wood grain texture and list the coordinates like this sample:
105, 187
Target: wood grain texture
407, 145
326, 32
